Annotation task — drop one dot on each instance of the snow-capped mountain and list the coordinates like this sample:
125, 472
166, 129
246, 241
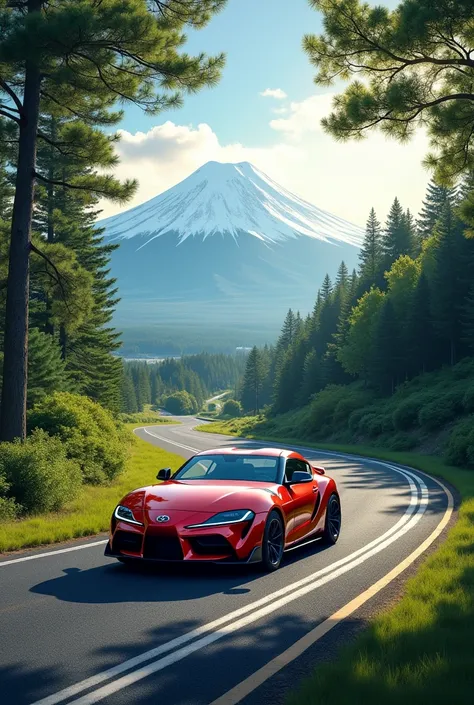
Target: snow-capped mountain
230, 199
228, 250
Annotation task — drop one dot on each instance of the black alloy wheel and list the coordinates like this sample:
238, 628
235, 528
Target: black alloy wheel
332, 527
273, 542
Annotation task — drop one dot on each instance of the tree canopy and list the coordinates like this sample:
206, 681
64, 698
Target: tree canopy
409, 67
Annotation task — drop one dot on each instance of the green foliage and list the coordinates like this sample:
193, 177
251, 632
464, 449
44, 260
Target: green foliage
409, 67
232, 408
254, 377
90, 435
181, 404
40, 474
371, 252
9, 509
460, 445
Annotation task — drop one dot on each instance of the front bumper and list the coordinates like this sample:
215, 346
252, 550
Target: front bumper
239, 543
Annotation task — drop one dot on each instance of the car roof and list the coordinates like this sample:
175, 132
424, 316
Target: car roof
239, 450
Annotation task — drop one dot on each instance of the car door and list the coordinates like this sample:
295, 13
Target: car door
304, 498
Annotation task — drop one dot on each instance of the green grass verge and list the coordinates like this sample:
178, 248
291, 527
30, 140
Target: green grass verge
419, 651
89, 513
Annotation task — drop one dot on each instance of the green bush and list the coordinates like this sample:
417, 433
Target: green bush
323, 405
40, 476
354, 419
468, 398
9, 509
232, 408
89, 433
406, 413
354, 400
440, 411
402, 441
181, 404
211, 406
459, 448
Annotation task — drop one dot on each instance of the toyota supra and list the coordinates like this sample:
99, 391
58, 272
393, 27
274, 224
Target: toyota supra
229, 505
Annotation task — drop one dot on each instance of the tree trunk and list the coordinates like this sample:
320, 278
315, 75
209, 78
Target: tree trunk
13, 416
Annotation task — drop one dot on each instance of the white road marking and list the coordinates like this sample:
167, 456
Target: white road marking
243, 689
52, 553
220, 627
167, 440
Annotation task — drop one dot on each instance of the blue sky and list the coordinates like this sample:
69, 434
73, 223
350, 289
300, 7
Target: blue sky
283, 137
262, 40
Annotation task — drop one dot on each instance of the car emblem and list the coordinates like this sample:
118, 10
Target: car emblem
162, 518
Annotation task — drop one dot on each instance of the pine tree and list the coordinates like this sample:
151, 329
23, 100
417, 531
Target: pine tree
254, 378
371, 252
452, 280
432, 208
467, 320
342, 276
46, 369
326, 289
397, 238
421, 336
386, 353
70, 55
312, 378
128, 395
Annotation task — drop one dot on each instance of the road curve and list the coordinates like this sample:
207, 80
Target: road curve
80, 628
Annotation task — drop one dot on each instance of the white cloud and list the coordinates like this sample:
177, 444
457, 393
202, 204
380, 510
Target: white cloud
346, 179
276, 93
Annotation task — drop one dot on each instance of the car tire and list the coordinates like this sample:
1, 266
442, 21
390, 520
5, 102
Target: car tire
273, 542
332, 524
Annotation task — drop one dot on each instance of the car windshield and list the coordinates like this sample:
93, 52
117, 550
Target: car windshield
248, 468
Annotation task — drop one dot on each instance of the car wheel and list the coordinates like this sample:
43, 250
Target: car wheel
332, 526
273, 542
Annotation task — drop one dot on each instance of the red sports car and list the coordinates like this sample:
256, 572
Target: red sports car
228, 505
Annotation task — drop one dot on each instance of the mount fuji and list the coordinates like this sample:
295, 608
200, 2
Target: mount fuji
221, 255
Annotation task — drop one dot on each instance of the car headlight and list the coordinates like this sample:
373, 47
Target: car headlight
235, 516
125, 514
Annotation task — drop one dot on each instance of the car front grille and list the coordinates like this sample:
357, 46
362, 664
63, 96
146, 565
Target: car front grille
165, 548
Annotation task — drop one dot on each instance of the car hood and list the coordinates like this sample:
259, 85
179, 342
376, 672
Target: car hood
204, 496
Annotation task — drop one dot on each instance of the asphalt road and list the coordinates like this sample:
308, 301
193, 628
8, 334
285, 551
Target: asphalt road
77, 627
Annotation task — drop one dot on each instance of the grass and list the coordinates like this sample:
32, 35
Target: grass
89, 513
420, 650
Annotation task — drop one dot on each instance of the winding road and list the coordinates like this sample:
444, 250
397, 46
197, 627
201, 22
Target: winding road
80, 628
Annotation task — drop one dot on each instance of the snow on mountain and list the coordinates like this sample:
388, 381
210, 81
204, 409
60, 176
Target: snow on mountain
230, 199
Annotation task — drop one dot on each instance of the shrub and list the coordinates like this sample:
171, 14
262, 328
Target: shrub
88, 432
181, 404
232, 408
460, 445
8, 507
468, 398
40, 476
355, 419
440, 411
353, 400
323, 406
211, 406
403, 441
405, 415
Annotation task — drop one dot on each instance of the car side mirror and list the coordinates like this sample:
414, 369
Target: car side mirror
164, 474
300, 476
319, 470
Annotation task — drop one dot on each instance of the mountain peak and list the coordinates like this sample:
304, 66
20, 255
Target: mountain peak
234, 199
